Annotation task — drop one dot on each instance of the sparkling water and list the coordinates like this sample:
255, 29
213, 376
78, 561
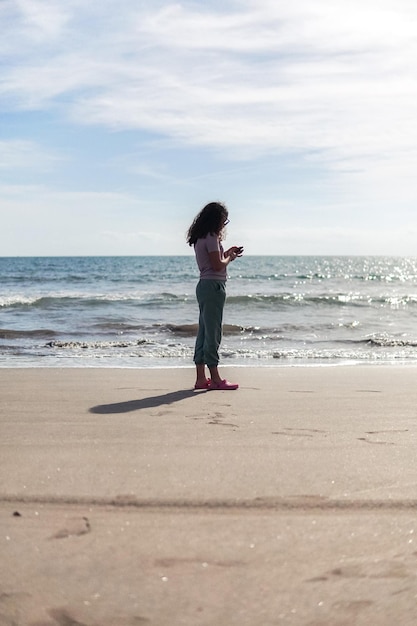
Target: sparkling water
142, 311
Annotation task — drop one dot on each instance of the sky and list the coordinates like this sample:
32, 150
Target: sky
120, 120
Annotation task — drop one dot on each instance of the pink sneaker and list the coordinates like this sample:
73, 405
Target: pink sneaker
223, 385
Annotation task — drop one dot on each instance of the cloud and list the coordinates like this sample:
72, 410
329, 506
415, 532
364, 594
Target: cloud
22, 154
249, 79
332, 84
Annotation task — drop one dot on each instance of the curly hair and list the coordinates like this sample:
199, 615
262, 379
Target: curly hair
210, 220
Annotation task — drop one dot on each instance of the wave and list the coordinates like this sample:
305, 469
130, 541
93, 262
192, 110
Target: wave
167, 299
343, 356
40, 333
179, 353
324, 299
91, 300
365, 277
379, 341
190, 330
94, 345
386, 341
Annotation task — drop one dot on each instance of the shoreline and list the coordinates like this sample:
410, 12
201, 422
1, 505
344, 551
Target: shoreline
222, 365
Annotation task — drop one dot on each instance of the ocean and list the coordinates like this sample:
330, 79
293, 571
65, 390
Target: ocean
142, 311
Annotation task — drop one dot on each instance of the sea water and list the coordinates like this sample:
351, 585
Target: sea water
142, 311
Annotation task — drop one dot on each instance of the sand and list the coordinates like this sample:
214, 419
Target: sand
127, 498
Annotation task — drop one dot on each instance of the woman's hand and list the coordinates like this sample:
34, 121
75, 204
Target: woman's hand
218, 263
234, 252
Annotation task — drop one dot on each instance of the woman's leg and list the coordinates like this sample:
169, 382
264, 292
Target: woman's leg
214, 296
201, 380
211, 296
213, 320
199, 341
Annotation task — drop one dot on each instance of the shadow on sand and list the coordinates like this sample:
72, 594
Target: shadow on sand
144, 403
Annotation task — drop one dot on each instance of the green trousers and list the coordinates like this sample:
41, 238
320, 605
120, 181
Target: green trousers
211, 296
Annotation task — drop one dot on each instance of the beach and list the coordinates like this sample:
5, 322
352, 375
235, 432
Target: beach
128, 498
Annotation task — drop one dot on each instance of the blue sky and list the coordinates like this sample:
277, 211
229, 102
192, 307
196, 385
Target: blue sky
120, 120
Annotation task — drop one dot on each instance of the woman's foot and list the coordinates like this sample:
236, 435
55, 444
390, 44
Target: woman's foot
202, 384
222, 385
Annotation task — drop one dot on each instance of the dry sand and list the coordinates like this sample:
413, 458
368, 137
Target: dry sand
128, 499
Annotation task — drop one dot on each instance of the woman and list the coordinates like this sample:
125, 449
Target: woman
205, 234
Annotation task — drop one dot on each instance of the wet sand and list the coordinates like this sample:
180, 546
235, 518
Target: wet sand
128, 498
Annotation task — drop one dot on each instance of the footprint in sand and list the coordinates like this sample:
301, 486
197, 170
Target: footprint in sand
75, 527
13, 605
379, 432
380, 569
299, 432
377, 443
217, 420
63, 617
382, 432
344, 613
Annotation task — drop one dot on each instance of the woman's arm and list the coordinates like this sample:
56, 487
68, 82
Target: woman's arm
218, 263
